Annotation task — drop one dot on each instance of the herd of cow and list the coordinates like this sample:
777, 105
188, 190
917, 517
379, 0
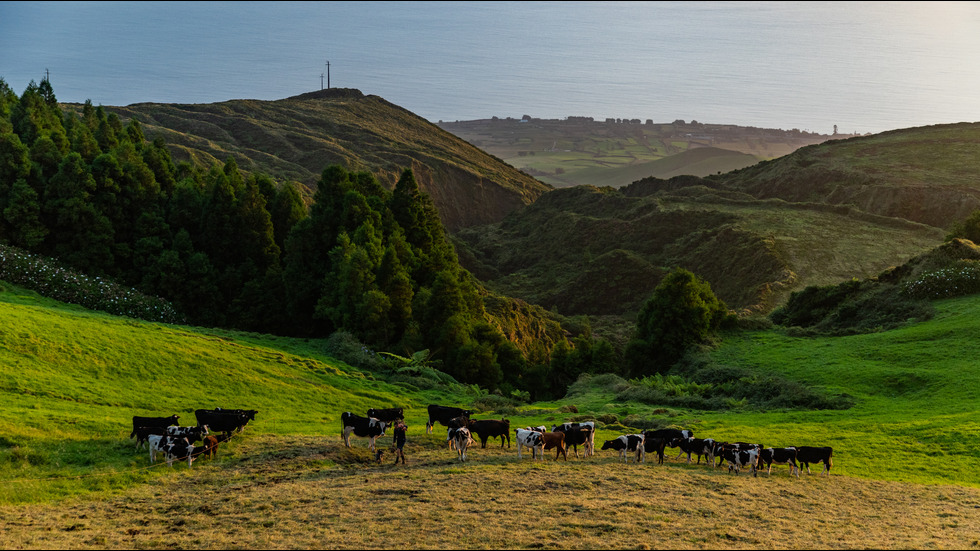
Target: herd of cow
460, 430
165, 435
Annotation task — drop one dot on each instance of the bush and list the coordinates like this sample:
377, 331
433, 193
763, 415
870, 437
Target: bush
962, 278
48, 278
345, 347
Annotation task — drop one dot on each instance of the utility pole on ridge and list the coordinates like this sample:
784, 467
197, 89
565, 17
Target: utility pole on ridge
328, 75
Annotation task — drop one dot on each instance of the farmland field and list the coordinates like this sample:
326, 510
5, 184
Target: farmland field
906, 467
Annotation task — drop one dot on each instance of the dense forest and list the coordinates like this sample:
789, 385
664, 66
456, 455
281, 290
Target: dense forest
239, 250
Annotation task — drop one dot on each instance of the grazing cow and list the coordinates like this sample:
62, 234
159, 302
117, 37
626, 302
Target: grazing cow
461, 440
491, 428
555, 440
192, 434
365, 427
696, 446
527, 438
443, 415
158, 422
779, 456
623, 444
737, 459
809, 454
224, 420
578, 433
389, 415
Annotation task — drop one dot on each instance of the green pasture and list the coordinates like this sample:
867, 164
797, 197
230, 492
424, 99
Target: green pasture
71, 380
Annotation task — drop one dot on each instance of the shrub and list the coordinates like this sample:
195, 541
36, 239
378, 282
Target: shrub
48, 278
962, 278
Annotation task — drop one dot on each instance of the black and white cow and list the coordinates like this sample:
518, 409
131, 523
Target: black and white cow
389, 415
720, 447
490, 428
365, 427
461, 439
527, 438
192, 434
578, 434
162, 443
443, 415
779, 456
455, 423
810, 454
625, 444
737, 459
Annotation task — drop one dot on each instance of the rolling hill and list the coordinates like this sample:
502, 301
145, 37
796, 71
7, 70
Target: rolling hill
296, 138
823, 214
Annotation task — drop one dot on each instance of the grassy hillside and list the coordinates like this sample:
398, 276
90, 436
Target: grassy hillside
823, 214
74, 378
296, 138
700, 161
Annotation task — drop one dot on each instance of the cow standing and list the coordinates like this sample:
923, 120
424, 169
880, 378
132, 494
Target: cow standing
491, 428
809, 454
365, 427
625, 444
527, 438
461, 439
443, 415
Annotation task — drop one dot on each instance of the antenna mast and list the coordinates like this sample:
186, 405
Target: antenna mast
328, 75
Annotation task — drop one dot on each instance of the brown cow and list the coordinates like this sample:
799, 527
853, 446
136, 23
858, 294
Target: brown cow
555, 440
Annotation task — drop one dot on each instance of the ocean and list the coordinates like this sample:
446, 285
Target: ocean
866, 67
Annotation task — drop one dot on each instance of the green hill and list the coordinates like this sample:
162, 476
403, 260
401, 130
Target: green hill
296, 138
699, 161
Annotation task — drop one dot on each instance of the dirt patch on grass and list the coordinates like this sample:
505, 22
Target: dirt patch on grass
311, 492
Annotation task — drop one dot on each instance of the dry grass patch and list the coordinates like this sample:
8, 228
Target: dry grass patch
311, 492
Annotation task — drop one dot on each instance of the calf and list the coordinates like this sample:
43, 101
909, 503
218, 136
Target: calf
527, 438
365, 427
208, 447
491, 428
737, 459
809, 454
455, 423
461, 439
555, 440
443, 415
179, 450
157, 422
623, 444
779, 456
578, 433
389, 415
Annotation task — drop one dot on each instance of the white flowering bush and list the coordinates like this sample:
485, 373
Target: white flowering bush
954, 281
48, 278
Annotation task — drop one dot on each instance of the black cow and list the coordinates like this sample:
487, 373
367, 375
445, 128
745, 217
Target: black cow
624, 444
389, 415
779, 456
491, 428
576, 435
443, 415
365, 427
159, 422
809, 454
670, 434
696, 446
652, 444
224, 420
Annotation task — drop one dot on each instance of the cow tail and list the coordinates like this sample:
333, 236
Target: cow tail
830, 460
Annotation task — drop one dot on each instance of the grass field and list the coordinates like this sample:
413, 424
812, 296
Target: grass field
906, 463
